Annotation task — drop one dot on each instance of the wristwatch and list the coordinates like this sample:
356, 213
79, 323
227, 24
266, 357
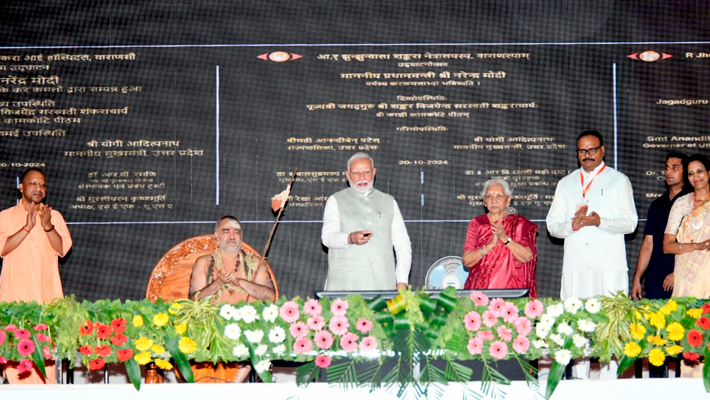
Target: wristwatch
507, 241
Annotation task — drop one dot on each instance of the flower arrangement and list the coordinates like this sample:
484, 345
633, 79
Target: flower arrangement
394, 337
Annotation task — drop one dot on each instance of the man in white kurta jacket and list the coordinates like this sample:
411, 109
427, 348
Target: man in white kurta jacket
592, 210
363, 230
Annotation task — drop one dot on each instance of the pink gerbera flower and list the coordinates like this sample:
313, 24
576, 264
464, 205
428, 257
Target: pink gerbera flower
3, 360
2, 337
41, 337
289, 311
534, 309
489, 319
499, 350
475, 345
349, 342
364, 325
485, 335
302, 346
472, 321
25, 366
40, 327
339, 325
521, 344
22, 334
324, 339
368, 344
25, 347
339, 307
323, 361
11, 328
479, 298
523, 326
497, 307
316, 323
511, 312
505, 333
312, 308
299, 330
46, 352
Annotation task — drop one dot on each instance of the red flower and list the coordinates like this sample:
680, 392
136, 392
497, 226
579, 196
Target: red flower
25, 366
125, 354
2, 337
3, 360
40, 327
22, 334
119, 339
706, 309
691, 356
25, 347
102, 331
694, 338
118, 325
104, 350
97, 364
87, 328
86, 350
704, 323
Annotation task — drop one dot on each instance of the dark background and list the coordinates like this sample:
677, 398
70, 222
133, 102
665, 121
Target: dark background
579, 74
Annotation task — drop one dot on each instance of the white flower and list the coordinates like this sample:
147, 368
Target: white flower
579, 340
261, 350
233, 331
542, 330
593, 306
227, 311
572, 305
254, 336
586, 325
563, 356
564, 329
557, 339
547, 320
249, 314
237, 313
262, 366
539, 344
240, 351
277, 334
279, 350
556, 310
270, 313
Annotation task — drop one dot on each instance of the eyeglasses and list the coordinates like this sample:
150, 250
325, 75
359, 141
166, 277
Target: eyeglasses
591, 151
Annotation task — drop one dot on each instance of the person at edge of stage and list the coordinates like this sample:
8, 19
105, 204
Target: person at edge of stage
592, 210
363, 229
499, 251
655, 267
32, 237
228, 275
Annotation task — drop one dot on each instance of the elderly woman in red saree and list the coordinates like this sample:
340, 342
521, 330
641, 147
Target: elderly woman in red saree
499, 252
687, 234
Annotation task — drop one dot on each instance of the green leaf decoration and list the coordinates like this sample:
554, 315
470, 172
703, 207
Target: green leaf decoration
457, 372
134, 372
625, 363
433, 379
372, 376
343, 374
556, 372
530, 373
307, 373
38, 358
171, 343
706, 369
490, 380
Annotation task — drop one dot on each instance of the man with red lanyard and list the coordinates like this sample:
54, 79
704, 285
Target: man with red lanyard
592, 210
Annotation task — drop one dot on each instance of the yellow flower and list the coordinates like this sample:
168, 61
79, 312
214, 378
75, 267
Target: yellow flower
632, 349
142, 358
181, 328
656, 357
673, 350
657, 340
658, 320
665, 310
187, 345
162, 364
672, 305
174, 308
695, 312
160, 319
638, 315
157, 349
143, 344
137, 321
637, 331
675, 331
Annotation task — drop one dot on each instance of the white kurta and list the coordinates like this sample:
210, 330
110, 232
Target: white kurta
595, 257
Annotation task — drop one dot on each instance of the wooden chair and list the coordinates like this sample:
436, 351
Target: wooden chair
170, 278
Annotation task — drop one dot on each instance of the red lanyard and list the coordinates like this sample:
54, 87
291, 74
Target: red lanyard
581, 179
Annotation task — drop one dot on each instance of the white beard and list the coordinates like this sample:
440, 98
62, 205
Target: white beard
363, 189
